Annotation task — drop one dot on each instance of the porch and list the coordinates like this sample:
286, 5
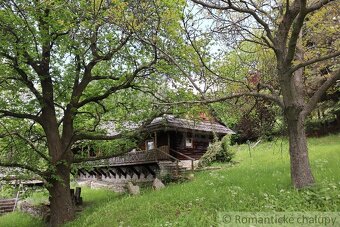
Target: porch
140, 166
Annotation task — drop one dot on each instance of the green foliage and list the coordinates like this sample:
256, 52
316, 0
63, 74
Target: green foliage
6, 191
218, 151
35, 196
112, 41
250, 67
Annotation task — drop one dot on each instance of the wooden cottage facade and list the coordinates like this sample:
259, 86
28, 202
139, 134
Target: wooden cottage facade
182, 138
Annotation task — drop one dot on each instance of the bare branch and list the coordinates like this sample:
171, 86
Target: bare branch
317, 5
204, 64
105, 78
272, 98
312, 61
242, 10
296, 29
320, 92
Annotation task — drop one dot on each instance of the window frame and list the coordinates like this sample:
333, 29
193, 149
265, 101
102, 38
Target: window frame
147, 145
190, 144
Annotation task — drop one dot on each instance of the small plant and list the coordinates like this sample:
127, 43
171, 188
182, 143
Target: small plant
218, 151
167, 178
6, 191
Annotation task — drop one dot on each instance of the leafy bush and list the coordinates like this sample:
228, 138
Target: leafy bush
218, 151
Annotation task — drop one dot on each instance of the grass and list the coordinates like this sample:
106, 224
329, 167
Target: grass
259, 182
17, 219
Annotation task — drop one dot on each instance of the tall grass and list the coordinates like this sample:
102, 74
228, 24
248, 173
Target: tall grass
260, 181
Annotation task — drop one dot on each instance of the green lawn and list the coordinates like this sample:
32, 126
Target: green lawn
259, 182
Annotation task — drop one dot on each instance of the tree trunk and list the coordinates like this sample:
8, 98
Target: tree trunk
294, 104
62, 209
301, 173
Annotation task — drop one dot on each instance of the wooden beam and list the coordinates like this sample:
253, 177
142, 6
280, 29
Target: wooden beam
153, 173
112, 172
120, 172
102, 172
135, 171
81, 171
106, 170
168, 133
129, 171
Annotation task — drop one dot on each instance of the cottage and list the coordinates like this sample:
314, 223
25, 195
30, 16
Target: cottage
173, 144
182, 138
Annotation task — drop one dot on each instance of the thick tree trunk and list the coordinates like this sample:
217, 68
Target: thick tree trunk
294, 104
301, 173
62, 209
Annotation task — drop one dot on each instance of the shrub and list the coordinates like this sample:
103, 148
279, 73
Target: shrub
218, 151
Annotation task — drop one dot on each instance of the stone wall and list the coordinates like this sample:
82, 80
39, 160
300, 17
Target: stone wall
116, 184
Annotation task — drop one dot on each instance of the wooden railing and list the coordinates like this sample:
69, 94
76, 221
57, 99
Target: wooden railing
185, 156
171, 157
155, 155
129, 158
161, 153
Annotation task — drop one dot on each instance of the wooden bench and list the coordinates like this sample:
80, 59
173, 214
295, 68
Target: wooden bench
7, 205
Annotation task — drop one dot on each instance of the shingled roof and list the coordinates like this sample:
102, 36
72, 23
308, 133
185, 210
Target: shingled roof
170, 122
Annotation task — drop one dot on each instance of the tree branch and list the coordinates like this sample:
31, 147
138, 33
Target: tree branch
296, 29
242, 10
318, 5
312, 61
23, 75
79, 87
23, 166
32, 146
320, 92
126, 84
6, 113
272, 98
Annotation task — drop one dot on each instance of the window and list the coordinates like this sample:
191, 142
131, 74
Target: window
150, 145
188, 142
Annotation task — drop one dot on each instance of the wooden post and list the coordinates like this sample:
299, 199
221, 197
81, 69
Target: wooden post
248, 142
78, 198
72, 196
155, 140
168, 143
